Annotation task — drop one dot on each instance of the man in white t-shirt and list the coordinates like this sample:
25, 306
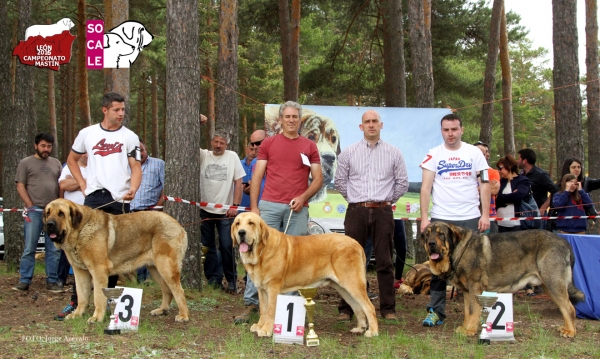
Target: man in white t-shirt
457, 173
221, 183
114, 170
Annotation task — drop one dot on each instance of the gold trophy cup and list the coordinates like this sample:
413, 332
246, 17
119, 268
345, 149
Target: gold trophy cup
112, 294
486, 303
312, 339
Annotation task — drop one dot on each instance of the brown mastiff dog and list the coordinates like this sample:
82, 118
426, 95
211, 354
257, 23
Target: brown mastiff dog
417, 280
99, 244
503, 263
279, 263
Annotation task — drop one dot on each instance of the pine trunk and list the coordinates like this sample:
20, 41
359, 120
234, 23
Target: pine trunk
289, 32
593, 91
567, 99
226, 106
82, 74
117, 80
489, 83
507, 110
154, 148
183, 129
393, 53
422, 66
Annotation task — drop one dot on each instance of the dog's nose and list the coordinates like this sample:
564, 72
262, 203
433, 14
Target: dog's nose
242, 232
328, 158
50, 224
431, 243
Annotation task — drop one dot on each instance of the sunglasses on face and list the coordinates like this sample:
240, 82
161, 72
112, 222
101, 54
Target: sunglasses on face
255, 143
500, 167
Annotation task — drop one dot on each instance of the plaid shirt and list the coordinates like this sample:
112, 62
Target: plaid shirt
153, 181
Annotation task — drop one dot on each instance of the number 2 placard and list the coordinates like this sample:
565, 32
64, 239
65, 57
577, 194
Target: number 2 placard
500, 321
290, 314
128, 309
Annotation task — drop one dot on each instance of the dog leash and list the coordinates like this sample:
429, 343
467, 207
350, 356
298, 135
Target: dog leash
290, 217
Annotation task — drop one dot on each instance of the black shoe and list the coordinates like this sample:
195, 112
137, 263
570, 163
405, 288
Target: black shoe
249, 310
55, 287
21, 287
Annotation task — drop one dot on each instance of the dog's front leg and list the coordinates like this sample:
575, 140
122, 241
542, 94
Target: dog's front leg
266, 330
83, 283
263, 302
471, 316
100, 278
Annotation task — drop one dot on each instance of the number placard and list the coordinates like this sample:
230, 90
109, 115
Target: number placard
500, 324
128, 307
290, 314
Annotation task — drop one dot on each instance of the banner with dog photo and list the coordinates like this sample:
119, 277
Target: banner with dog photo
333, 128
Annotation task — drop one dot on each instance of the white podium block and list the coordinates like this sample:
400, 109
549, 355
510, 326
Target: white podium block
290, 315
500, 324
127, 311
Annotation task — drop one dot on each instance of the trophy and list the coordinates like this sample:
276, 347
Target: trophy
112, 294
486, 303
312, 339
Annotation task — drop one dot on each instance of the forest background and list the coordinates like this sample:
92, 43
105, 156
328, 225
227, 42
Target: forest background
228, 58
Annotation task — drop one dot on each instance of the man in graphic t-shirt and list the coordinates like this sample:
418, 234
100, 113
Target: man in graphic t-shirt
114, 171
220, 182
457, 173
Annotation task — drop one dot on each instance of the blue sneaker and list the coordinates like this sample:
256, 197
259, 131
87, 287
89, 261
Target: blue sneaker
432, 319
70, 308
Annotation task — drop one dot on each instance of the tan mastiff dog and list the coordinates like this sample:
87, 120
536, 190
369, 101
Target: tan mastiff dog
279, 263
99, 244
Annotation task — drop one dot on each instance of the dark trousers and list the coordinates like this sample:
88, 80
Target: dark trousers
214, 265
399, 245
63, 268
99, 200
361, 222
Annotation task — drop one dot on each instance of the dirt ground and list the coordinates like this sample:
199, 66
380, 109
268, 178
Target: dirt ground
31, 314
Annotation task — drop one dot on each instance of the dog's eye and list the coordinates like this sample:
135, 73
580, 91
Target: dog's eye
312, 137
61, 214
333, 139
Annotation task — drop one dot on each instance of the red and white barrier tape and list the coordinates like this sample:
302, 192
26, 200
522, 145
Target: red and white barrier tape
206, 204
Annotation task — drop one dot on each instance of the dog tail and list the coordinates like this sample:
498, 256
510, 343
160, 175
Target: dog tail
575, 295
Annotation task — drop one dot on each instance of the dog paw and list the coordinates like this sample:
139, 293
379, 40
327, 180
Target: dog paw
370, 333
254, 328
357, 330
179, 318
467, 332
565, 333
159, 311
93, 319
264, 333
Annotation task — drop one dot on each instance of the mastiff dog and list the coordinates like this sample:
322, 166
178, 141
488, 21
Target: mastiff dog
99, 244
503, 263
279, 263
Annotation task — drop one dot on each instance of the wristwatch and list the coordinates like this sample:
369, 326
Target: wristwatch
236, 204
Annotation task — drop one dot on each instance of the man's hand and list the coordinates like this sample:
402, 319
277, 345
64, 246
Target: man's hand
484, 223
255, 210
129, 195
424, 223
297, 204
231, 212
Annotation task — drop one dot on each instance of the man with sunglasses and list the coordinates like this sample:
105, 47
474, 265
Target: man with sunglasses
248, 164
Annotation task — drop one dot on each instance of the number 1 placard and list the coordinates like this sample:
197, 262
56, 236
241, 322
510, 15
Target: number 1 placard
290, 314
128, 307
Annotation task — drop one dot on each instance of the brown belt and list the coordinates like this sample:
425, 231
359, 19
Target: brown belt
370, 204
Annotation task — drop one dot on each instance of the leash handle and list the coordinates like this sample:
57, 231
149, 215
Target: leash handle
290, 217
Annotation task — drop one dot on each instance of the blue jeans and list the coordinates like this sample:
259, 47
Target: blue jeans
32, 234
213, 269
276, 216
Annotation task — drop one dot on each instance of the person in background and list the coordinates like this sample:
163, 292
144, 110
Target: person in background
541, 184
513, 189
570, 201
248, 164
574, 166
494, 185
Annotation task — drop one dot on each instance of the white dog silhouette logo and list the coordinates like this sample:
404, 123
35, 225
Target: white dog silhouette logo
123, 44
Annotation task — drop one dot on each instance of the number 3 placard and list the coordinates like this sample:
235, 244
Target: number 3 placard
128, 307
289, 319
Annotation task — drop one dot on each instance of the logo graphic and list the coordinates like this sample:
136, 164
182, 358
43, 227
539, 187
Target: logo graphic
105, 149
116, 49
46, 46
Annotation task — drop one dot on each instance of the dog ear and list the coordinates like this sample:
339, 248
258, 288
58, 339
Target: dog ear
76, 216
233, 232
106, 41
264, 231
456, 233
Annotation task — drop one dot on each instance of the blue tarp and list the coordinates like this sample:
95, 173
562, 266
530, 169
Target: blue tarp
587, 259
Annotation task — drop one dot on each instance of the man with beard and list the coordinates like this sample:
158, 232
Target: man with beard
37, 185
